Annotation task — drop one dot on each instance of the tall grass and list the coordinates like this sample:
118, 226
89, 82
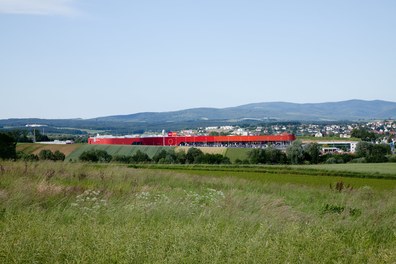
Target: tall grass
73, 213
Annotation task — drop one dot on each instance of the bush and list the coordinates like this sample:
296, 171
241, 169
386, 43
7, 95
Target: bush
213, 159
331, 160
26, 157
269, 155
295, 152
122, 159
140, 157
359, 160
391, 158
59, 156
95, 155
47, 154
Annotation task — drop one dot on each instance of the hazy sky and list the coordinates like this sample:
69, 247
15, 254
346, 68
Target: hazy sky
90, 58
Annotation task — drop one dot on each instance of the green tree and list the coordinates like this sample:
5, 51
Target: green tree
373, 152
295, 152
59, 156
269, 155
140, 157
46, 154
7, 146
40, 137
275, 156
363, 134
312, 153
214, 133
160, 155
193, 155
256, 156
181, 157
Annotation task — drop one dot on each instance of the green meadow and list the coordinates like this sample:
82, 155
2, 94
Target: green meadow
107, 213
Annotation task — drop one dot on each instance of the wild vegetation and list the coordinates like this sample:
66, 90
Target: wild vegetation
55, 212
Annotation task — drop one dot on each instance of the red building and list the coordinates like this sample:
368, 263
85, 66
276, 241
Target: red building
174, 140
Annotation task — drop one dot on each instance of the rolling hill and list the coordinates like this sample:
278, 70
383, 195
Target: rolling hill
333, 111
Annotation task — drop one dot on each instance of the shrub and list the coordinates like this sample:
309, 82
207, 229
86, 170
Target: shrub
140, 157
95, 155
26, 157
331, 160
269, 155
213, 159
122, 159
59, 156
47, 154
359, 160
391, 158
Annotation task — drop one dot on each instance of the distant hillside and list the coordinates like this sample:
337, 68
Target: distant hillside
345, 110
257, 113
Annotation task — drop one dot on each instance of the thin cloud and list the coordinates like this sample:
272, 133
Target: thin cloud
39, 7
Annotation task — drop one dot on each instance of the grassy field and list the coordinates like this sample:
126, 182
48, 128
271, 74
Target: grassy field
301, 175
89, 213
237, 153
31, 148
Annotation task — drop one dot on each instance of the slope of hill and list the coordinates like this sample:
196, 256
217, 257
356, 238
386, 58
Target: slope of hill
345, 110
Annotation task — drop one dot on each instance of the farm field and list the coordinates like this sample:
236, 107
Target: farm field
73, 151
35, 148
382, 168
104, 213
116, 150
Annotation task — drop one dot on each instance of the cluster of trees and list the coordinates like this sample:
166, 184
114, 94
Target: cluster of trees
170, 156
373, 152
297, 153
363, 134
44, 154
27, 136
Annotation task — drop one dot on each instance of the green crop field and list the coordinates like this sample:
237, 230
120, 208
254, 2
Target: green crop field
237, 153
287, 174
382, 168
62, 212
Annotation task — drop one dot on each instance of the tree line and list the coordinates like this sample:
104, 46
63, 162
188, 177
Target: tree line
169, 156
296, 153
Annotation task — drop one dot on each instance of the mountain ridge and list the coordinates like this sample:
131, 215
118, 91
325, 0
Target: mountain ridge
353, 109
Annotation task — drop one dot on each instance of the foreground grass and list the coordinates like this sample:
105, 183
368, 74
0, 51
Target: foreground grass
60, 212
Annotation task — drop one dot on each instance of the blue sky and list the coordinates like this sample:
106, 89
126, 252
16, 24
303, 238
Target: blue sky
90, 58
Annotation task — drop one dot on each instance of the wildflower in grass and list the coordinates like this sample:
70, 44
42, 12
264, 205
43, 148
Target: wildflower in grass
146, 199
208, 197
90, 201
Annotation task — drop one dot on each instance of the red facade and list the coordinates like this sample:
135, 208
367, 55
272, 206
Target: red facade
192, 140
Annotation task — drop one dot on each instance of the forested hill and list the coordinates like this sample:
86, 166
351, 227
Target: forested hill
345, 110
